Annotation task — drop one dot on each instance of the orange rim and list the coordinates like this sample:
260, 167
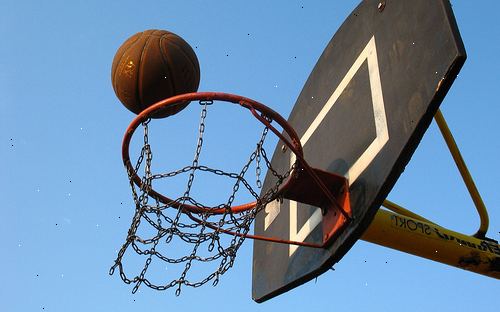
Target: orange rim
258, 110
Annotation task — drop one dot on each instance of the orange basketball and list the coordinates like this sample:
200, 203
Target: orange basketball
151, 66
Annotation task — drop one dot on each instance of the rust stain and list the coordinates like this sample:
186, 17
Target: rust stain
439, 84
473, 260
495, 265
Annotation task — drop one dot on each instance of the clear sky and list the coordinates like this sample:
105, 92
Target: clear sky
66, 203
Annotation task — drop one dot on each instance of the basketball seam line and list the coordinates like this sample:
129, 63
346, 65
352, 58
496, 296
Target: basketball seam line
180, 48
195, 64
140, 72
166, 63
113, 79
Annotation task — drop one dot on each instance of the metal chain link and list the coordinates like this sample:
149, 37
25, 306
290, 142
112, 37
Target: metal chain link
207, 229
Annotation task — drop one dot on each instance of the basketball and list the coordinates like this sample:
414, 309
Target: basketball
151, 66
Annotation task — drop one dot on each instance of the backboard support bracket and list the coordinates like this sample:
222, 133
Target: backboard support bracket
475, 253
334, 201
310, 187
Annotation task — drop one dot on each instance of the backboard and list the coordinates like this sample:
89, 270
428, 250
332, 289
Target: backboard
361, 114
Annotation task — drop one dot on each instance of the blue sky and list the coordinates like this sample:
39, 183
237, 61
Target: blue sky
66, 203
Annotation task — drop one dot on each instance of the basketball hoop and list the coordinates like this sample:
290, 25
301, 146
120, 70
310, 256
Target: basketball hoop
199, 224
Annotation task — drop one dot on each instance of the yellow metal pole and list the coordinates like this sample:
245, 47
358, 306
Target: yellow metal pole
466, 176
433, 242
403, 211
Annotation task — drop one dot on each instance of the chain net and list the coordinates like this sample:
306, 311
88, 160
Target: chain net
210, 238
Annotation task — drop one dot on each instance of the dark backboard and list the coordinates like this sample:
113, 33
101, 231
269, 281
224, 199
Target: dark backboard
361, 114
